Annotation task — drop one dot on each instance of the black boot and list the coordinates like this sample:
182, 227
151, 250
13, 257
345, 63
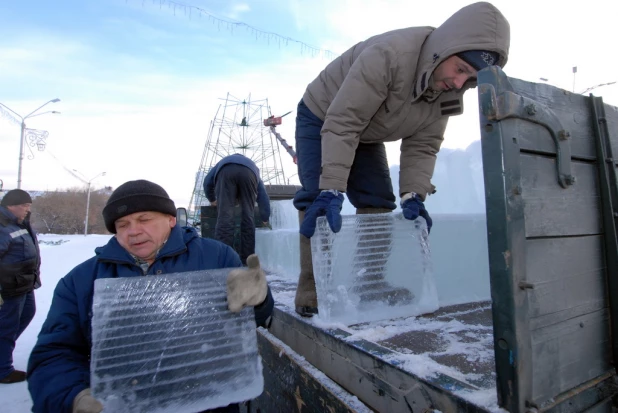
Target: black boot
306, 300
14, 377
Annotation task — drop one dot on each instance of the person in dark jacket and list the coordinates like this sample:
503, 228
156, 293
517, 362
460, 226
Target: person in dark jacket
147, 242
233, 179
19, 275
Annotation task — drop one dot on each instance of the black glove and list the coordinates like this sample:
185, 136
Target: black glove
413, 207
328, 203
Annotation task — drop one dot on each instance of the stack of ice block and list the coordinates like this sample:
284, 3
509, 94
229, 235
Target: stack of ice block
377, 267
168, 343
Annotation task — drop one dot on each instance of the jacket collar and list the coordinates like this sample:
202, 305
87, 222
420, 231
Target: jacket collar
7, 217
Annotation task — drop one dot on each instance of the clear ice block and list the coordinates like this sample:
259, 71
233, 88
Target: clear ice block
377, 267
168, 343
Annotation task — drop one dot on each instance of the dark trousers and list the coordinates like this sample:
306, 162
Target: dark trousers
369, 182
236, 183
15, 315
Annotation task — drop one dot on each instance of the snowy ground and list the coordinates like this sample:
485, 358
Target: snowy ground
60, 253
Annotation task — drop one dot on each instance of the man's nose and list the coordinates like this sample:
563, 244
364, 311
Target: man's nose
460, 80
133, 229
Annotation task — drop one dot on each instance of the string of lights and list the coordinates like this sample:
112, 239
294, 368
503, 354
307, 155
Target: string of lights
191, 11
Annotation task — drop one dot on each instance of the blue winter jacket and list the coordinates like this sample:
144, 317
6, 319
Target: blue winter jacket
262, 197
19, 256
59, 365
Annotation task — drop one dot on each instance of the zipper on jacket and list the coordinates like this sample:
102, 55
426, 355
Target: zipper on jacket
143, 265
386, 108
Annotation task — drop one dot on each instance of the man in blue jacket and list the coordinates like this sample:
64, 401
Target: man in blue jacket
19, 276
147, 242
236, 178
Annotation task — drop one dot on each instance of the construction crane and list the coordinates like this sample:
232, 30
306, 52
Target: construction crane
272, 123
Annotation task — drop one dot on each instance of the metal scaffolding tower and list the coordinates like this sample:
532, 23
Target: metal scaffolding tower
238, 127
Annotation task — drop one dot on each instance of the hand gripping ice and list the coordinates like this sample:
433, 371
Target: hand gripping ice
413, 207
246, 287
328, 203
85, 403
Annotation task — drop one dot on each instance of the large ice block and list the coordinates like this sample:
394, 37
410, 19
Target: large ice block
377, 267
168, 343
278, 248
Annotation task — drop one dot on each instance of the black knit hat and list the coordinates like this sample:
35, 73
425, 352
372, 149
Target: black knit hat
136, 196
479, 59
16, 197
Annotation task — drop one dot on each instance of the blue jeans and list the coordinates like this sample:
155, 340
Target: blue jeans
369, 182
15, 315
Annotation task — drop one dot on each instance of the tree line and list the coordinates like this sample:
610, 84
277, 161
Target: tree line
64, 211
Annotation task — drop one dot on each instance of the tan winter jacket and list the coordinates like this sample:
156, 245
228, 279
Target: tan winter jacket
377, 92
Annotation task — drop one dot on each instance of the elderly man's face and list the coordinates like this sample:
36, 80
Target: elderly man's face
144, 233
20, 211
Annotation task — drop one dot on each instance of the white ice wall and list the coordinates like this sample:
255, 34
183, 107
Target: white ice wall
458, 240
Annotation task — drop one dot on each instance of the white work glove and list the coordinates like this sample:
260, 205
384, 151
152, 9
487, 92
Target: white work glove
246, 286
85, 403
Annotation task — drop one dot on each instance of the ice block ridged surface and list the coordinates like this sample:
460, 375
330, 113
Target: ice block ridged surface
168, 343
377, 267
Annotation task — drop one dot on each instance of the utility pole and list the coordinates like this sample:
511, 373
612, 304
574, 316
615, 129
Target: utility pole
89, 183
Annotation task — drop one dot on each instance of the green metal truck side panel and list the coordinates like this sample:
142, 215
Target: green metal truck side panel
547, 233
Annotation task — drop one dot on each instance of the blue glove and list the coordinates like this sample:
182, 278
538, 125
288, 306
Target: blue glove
413, 208
328, 203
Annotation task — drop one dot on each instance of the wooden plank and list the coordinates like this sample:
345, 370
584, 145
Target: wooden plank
573, 111
594, 396
360, 367
574, 283
291, 385
551, 210
570, 353
611, 114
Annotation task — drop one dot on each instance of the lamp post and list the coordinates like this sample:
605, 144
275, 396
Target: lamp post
89, 183
23, 131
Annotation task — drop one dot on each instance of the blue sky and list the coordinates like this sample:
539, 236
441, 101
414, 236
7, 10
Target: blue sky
95, 43
140, 83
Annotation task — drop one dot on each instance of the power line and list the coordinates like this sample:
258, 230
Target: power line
189, 11
67, 169
596, 86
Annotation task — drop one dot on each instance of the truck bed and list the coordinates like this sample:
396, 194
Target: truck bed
449, 351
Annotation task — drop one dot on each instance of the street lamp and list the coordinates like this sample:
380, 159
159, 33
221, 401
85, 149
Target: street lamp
23, 131
88, 197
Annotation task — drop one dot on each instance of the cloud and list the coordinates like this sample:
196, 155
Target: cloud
237, 9
143, 110
134, 121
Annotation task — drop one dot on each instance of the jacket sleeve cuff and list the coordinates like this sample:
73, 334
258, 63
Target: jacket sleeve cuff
333, 177
264, 310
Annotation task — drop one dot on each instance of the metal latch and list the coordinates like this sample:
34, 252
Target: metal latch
511, 105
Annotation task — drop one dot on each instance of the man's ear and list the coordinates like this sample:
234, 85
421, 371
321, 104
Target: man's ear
172, 221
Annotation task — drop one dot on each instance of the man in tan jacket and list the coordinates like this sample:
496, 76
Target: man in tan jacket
400, 85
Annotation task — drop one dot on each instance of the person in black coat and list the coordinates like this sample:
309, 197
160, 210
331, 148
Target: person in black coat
20, 263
